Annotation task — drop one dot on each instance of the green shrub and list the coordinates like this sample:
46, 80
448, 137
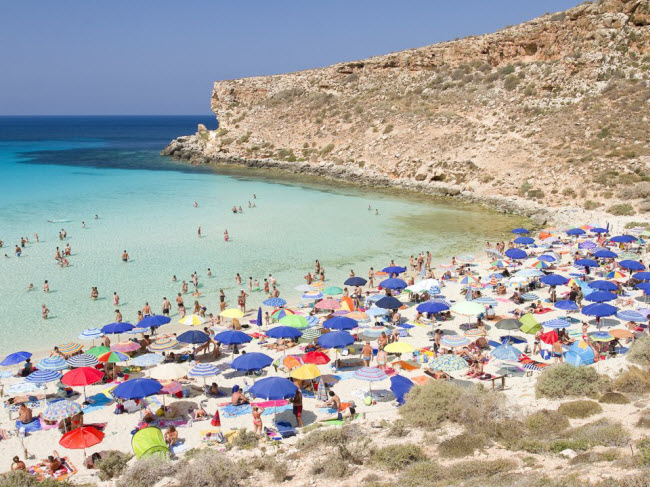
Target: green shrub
397, 457
594, 457
328, 436
613, 398
327, 149
579, 409
566, 380
244, 439
530, 445
591, 205
209, 468
511, 82
398, 429
558, 446
112, 465
421, 474
463, 445
506, 70
24, 479
146, 472
643, 452
601, 433
621, 209
546, 422
477, 469
389, 128
266, 463
633, 380
640, 351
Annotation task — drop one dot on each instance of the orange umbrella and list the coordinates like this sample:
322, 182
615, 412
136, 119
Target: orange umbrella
621, 333
291, 362
81, 438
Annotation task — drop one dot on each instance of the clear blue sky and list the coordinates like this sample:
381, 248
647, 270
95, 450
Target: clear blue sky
161, 57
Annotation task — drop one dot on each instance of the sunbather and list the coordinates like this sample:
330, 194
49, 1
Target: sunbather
238, 397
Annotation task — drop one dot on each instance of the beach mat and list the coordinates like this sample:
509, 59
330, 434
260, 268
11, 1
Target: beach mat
421, 379
66, 471
35, 425
98, 401
338, 422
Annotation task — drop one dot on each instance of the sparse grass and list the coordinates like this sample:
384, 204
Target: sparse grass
112, 464
594, 457
633, 380
463, 445
613, 398
388, 128
244, 440
579, 409
601, 433
398, 457
565, 380
266, 463
557, 446
24, 479
640, 351
398, 429
146, 472
209, 468
546, 422
621, 209
643, 452
328, 436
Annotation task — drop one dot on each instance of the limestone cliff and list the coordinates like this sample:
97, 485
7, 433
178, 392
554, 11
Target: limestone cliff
553, 111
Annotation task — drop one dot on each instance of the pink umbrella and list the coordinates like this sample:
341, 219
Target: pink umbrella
328, 304
125, 347
170, 387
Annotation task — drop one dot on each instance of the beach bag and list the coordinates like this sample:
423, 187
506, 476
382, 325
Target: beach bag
220, 438
546, 355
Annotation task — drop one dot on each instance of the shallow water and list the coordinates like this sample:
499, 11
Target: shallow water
62, 168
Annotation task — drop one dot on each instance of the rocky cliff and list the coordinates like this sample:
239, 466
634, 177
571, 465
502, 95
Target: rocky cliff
549, 113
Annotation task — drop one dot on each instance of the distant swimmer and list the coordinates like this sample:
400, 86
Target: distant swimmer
369, 208
35, 239
209, 272
234, 209
376, 212
196, 205
174, 278
250, 205
118, 316
199, 232
254, 196
30, 287
44, 311
226, 237
238, 279
125, 256
240, 210
94, 293
96, 217
116, 299
46, 287
83, 224
17, 251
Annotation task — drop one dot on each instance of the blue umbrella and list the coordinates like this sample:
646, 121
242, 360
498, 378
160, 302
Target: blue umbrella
600, 296
516, 254
486, 300
394, 270
506, 352
400, 386
273, 389
335, 339
631, 315
15, 358
598, 230
603, 285
642, 276
340, 323
554, 280
644, 286
546, 258
393, 283
524, 240
116, 328
374, 311
599, 310
230, 337
566, 305
632, 265
43, 376
586, 263
153, 321
83, 360
355, 281
52, 363
312, 320
389, 302
579, 354
441, 300
195, 337
588, 244
137, 388
519, 231
274, 302
147, 360
575, 231
556, 323
251, 361
283, 332
605, 254
259, 321
90, 334
623, 239
430, 307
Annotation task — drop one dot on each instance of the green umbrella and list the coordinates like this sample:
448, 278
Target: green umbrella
332, 291
530, 324
468, 308
295, 321
113, 357
98, 350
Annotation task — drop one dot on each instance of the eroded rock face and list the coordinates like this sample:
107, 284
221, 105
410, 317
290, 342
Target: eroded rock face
553, 111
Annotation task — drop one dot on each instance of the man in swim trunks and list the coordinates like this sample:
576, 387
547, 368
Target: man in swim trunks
366, 354
125, 256
297, 407
166, 306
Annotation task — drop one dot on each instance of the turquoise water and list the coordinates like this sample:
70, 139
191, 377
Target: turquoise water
54, 170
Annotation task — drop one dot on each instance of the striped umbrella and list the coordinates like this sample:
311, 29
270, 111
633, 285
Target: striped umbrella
83, 360
615, 275
529, 297
312, 320
52, 363
601, 336
43, 376
500, 264
203, 370
163, 344
631, 315
467, 280
147, 360
278, 314
556, 323
113, 357
58, 410
486, 300
540, 264
135, 331
99, 350
453, 341
125, 347
370, 374
448, 363
310, 334
474, 333
313, 295
69, 348
90, 334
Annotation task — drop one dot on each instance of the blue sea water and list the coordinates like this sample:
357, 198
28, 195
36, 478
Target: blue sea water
68, 169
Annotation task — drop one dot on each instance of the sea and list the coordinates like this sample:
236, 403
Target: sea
102, 181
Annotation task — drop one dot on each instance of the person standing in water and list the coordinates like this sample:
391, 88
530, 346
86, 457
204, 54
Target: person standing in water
125, 256
199, 231
45, 312
46, 286
116, 299
226, 237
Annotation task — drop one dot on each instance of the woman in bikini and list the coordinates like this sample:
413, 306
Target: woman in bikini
257, 419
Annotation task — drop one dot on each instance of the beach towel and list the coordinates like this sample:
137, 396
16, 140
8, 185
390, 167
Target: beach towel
31, 401
541, 311
406, 365
273, 434
421, 379
45, 426
66, 471
285, 429
35, 425
338, 422
97, 402
210, 436
531, 364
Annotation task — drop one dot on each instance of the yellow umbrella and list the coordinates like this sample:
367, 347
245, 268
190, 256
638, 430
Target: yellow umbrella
192, 320
306, 372
399, 347
231, 313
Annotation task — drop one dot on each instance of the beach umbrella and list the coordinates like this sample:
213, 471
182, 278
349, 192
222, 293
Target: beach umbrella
328, 304
251, 361
529, 324
603, 285
311, 334
258, 320
393, 283
540, 264
631, 265
554, 280
448, 363
467, 308
400, 386
599, 310
631, 315
61, 409
335, 339
305, 372
195, 337
137, 388
467, 280
509, 324
90, 334
601, 336
622, 239
389, 302
516, 254
644, 286
136, 330
556, 323
153, 321
575, 231
332, 291
500, 263
83, 360
43, 376
278, 314
615, 275
52, 363
429, 307
600, 296
82, 376
163, 344
284, 332
313, 295
370, 374
204, 370
453, 341
599, 230
15, 358
170, 387
506, 352
394, 270
81, 438
355, 281
116, 328
273, 389
424, 285
566, 305
587, 244
304, 288
292, 361
529, 273
375, 311
113, 357
399, 347
520, 231
605, 254
171, 371
586, 263
550, 337
312, 320
315, 357
340, 323
125, 347
295, 321
192, 320
274, 302
547, 258
618, 333
373, 332
68, 348
232, 313
524, 240
642, 276
147, 360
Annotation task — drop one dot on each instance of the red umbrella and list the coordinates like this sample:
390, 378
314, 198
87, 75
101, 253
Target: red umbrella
550, 337
83, 376
316, 358
81, 438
